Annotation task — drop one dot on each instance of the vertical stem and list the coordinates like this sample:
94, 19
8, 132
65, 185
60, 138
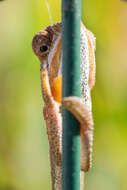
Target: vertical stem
71, 16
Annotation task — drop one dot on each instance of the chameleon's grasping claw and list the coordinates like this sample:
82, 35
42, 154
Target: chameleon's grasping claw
78, 108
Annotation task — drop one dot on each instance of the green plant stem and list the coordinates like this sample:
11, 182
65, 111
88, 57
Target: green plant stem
71, 17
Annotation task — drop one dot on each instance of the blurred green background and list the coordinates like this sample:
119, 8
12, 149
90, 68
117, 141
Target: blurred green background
24, 158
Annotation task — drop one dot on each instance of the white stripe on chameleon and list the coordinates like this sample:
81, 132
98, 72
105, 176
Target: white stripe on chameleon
84, 68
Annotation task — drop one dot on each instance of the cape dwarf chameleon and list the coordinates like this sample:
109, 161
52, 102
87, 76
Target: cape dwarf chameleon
46, 45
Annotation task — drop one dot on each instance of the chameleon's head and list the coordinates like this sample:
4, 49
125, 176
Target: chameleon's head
46, 45
41, 44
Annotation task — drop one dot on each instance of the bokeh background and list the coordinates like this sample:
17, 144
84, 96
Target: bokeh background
24, 158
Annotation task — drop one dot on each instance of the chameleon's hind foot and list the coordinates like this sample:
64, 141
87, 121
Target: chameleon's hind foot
76, 106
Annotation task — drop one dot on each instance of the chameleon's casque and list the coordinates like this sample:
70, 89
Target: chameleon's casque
47, 47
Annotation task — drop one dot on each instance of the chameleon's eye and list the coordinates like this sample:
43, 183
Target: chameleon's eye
44, 48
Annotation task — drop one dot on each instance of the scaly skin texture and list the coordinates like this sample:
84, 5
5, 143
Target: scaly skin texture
47, 47
54, 128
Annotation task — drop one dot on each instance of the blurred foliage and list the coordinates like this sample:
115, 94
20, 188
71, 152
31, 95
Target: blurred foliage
24, 160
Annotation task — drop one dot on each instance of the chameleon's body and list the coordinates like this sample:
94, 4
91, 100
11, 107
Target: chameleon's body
47, 46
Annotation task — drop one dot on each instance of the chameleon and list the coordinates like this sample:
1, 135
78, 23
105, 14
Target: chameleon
47, 46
